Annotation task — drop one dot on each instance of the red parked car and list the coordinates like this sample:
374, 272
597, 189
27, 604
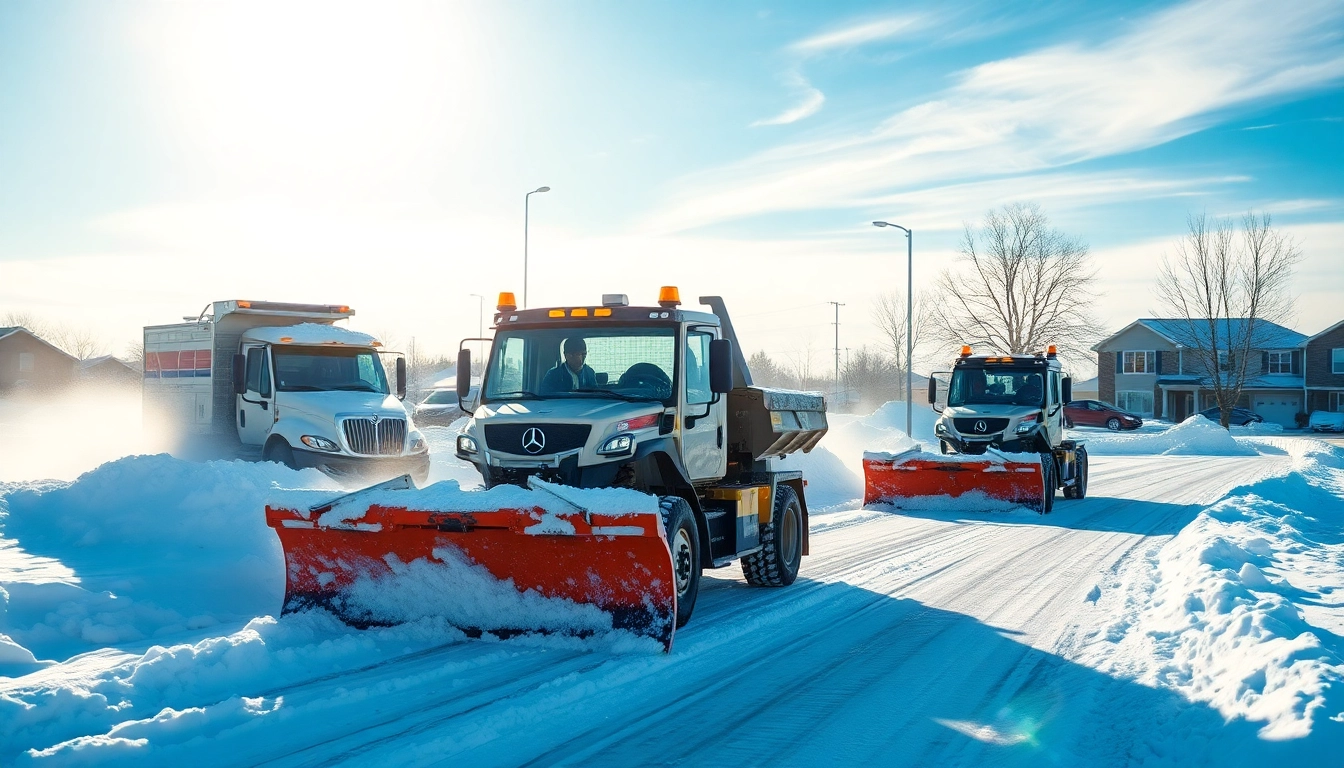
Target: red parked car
1093, 413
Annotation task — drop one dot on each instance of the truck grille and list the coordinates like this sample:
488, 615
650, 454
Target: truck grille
386, 437
553, 438
967, 426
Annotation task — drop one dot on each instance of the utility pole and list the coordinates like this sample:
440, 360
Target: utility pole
838, 305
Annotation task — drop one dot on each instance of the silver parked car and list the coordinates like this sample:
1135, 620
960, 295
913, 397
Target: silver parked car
439, 408
1326, 421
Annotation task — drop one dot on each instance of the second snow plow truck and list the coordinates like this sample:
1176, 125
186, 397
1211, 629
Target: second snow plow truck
648, 454
1000, 434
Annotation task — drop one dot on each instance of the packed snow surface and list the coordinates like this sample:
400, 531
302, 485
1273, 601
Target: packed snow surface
310, 333
1186, 613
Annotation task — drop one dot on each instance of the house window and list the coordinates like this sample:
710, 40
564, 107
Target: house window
1135, 402
1138, 362
1280, 362
1337, 361
1226, 360
25, 362
1337, 401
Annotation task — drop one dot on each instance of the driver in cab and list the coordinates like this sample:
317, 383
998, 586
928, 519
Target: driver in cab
572, 374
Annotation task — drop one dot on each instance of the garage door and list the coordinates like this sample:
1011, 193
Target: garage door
1278, 409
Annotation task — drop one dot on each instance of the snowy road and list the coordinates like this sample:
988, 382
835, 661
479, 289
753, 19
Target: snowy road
934, 639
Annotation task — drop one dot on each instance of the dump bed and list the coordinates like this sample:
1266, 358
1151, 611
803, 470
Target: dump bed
768, 423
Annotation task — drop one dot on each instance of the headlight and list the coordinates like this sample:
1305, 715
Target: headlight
417, 442
618, 445
320, 443
940, 428
466, 444
1028, 424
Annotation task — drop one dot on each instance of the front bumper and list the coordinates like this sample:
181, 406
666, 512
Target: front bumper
371, 468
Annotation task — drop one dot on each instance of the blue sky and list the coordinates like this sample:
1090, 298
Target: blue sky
157, 156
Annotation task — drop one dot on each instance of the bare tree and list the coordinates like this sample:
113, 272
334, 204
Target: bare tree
800, 359
1227, 289
765, 372
889, 315
80, 343
1025, 285
873, 377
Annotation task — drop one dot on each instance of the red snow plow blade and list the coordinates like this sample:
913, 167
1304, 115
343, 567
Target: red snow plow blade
889, 479
550, 568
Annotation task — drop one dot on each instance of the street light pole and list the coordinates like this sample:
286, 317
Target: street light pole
525, 214
909, 319
480, 316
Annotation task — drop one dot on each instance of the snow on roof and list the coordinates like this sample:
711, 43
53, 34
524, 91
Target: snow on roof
1267, 335
310, 333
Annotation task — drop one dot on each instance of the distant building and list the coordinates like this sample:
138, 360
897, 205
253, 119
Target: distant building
108, 371
1325, 369
28, 363
1086, 390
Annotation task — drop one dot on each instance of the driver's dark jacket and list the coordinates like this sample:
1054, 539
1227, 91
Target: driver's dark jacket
558, 379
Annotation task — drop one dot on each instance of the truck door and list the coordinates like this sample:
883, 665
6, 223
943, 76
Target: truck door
1054, 411
702, 427
256, 406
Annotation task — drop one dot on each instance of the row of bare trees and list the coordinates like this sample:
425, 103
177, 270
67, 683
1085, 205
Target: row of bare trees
80, 343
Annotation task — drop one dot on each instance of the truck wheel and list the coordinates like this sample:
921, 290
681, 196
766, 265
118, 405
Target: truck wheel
1048, 480
1079, 488
683, 538
280, 452
776, 565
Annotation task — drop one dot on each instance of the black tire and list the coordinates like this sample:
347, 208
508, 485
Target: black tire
280, 452
944, 448
776, 565
1048, 481
1113, 424
683, 538
1079, 488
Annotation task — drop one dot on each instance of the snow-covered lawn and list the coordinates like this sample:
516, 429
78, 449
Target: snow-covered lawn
1187, 613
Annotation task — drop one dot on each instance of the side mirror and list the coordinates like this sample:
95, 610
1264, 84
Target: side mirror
933, 391
463, 372
721, 366
239, 374
401, 378
468, 404
1068, 390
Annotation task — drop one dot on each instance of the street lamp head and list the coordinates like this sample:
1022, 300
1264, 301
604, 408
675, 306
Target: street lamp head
881, 224
542, 189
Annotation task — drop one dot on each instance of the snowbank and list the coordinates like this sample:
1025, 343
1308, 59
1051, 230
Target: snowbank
1196, 436
1233, 610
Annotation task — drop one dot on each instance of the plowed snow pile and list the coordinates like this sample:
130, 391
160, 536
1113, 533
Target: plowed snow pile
1240, 609
834, 469
1196, 436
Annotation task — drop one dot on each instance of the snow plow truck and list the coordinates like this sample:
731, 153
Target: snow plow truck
647, 453
1000, 434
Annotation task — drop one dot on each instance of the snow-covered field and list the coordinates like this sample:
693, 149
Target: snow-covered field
1188, 612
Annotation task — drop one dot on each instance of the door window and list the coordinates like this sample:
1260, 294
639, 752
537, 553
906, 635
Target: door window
258, 373
697, 368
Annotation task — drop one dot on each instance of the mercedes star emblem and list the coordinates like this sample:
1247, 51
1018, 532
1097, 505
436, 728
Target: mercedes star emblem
981, 426
375, 419
534, 440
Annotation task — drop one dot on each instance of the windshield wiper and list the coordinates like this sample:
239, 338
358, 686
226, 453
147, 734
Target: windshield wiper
356, 388
302, 388
622, 395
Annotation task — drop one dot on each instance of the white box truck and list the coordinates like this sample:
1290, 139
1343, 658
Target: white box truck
280, 382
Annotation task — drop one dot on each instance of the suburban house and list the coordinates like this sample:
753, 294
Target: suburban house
29, 363
1148, 368
109, 371
1325, 369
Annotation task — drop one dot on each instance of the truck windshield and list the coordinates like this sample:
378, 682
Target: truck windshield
995, 386
631, 363
327, 369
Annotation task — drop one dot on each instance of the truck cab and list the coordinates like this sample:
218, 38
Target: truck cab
657, 399
318, 396
1013, 403
279, 381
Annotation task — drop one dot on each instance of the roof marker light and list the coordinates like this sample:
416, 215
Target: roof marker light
578, 313
556, 313
602, 312
286, 339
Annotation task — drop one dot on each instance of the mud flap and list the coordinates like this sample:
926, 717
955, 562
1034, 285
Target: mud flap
554, 567
892, 478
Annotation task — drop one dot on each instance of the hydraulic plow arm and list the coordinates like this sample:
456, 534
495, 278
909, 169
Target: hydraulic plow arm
892, 479
553, 567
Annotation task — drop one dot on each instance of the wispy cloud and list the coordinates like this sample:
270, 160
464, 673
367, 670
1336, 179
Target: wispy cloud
808, 105
1160, 78
858, 34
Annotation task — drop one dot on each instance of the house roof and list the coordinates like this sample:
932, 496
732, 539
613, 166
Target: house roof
1183, 333
1308, 341
15, 329
96, 361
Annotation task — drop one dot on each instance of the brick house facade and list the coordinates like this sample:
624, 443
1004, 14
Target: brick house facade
1324, 369
27, 363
